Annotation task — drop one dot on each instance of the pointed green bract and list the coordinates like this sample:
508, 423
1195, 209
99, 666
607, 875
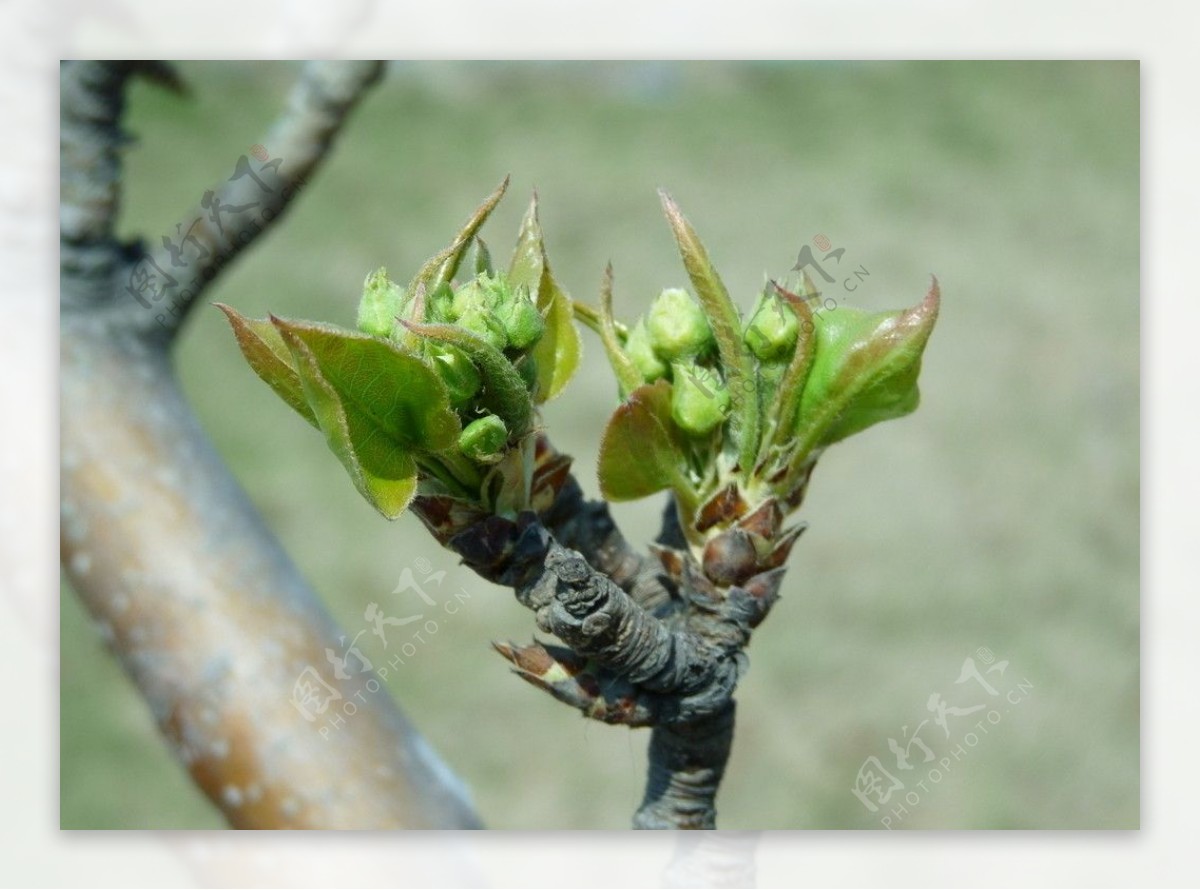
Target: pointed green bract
558, 350
629, 377
483, 258
642, 451
529, 256
864, 370
440, 269
270, 358
786, 402
727, 330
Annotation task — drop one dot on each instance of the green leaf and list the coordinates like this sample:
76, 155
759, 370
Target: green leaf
483, 258
529, 256
557, 352
642, 451
381, 470
440, 269
864, 370
504, 392
736, 360
787, 396
269, 358
398, 396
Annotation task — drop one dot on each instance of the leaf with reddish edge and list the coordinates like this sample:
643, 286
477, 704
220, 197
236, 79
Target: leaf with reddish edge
383, 472
642, 451
864, 371
396, 392
269, 358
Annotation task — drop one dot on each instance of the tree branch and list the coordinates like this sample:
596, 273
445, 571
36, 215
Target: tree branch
207, 614
92, 103
233, 213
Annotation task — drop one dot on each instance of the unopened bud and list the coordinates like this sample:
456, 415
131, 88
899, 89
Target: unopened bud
457, 371
699, 398
484, 324
642, 354
677, 326
521, 320
484, 440
771, 333
382, 300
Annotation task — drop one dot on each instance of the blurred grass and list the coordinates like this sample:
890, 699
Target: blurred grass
1005, 513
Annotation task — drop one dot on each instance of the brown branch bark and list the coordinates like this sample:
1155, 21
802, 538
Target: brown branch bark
207, 614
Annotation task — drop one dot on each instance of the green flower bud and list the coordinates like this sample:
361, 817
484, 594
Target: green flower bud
699, 398
677, 326
382, 300
484, 440
642, 354
439, 305
522, 321
486, 325
771, 333
457, 371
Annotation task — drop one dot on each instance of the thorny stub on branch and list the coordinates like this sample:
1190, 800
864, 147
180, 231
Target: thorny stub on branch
433, 403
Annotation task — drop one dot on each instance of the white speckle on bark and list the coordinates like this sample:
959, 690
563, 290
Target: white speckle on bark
231, 796
81, 563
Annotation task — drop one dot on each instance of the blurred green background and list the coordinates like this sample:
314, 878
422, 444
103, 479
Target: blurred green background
1003, 514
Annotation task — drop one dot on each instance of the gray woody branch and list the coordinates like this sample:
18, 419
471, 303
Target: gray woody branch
207, 614
663, 666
